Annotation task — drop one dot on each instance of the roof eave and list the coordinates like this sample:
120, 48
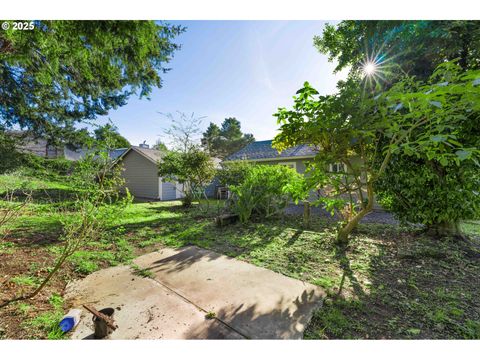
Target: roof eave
274, 158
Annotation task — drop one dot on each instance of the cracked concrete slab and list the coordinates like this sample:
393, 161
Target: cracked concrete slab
187, 283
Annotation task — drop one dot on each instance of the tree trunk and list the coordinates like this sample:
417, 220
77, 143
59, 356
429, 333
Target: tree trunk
306, 214
344, 232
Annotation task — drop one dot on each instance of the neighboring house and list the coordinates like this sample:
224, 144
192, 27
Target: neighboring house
140, 171
41, 147
38, 146
78, 154
263, 152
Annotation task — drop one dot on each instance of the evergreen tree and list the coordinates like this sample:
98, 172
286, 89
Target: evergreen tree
64, 72
225, 140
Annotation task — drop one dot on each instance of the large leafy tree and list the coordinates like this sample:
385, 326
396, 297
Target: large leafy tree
225, 140
416, 48
403, 47
194, 169
63, 72
411, 118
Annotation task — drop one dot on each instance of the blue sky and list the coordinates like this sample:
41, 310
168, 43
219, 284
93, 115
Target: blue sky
242, 69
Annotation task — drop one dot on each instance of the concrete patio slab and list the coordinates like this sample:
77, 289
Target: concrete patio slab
248, 301
143, 308
258, 303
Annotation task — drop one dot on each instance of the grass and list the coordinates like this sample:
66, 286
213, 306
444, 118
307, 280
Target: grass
138, 271
48, 322
391, 282
25, 280
210, 315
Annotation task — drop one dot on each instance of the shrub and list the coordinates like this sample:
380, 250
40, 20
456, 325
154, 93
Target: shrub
194, 169
265, 191
420, 192
233, 173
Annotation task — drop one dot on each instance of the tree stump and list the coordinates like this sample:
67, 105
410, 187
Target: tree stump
226, 219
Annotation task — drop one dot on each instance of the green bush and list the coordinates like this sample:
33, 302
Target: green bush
233, 173
265, 191
51, 168
424, 192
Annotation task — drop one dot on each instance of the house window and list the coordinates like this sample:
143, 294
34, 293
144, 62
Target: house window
338, 167
291, 165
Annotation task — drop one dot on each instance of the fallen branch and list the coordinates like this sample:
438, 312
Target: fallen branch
110, 323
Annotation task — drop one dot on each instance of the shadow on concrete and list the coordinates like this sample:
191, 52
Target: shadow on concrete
184, 259
286, 321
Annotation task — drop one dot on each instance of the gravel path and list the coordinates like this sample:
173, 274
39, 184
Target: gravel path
376, 216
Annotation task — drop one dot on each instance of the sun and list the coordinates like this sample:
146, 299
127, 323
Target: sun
369, 68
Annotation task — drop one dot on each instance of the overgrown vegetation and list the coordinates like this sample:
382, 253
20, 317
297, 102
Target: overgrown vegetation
265, 191
94, 206
193, 169
382, 119
388, 263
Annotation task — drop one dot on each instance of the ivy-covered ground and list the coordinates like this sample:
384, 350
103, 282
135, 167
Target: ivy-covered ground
392, 282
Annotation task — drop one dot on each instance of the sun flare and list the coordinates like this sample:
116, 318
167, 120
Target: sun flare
369, 68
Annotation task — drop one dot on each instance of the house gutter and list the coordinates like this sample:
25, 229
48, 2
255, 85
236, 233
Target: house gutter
272, 159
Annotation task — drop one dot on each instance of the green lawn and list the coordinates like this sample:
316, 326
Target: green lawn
392, 282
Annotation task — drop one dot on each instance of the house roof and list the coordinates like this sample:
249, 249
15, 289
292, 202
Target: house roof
154, 155
263, 150
114, 154
150, 154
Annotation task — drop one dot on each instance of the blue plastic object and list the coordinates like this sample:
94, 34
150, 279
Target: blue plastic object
67, 324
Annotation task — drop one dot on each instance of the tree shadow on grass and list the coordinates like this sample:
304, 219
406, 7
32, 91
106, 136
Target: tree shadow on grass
46, 196
417, 287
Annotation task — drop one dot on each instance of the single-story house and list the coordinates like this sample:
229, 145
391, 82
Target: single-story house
140, 171
262, 152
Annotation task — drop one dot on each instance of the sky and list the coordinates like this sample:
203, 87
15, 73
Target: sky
242, 69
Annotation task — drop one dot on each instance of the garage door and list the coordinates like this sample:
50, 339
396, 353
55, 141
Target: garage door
168, 191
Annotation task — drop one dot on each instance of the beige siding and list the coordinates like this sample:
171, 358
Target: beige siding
141, 175
300, 164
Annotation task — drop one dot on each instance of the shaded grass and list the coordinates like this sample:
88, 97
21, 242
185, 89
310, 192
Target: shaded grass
48, 322
391, 282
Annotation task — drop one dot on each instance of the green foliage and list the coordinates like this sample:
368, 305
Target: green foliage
432, 118
25, 280
225, 140
109, 131
427, 193
139, 271
265, 192
434, 175
56, 301
159, 145
330, 321
48, 322
412, 47
412, 118
233, 173
210, 315
95, 66
194, 169
48, 168
11, 157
